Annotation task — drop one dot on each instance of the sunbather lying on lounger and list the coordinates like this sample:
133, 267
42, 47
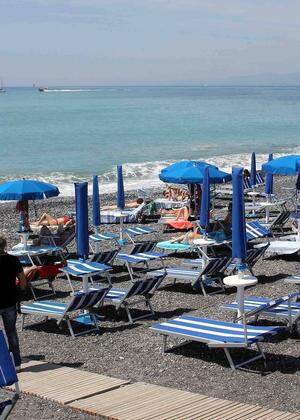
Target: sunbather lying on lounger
35, 272
130, 205
221, 230
48, 220
175, 194
182, 213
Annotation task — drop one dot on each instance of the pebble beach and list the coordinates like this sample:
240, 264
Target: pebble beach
133, 352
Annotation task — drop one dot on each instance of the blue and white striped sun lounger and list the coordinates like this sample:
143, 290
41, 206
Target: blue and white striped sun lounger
203, 276
8, 377
81, 301
106, 236
137, 231
140, 291
282, 308
77, 268
255, 230
139, 258
219, 334
111, 216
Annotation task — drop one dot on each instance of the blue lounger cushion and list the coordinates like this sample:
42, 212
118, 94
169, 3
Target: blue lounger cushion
98, 237
212, 331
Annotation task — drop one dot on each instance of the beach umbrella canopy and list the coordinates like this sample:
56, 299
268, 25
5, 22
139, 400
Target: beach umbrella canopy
205, 202
253, 170
285, 165
27, 189
82, 227
269, 179
192, 172
239, 246
120, 191
96, 202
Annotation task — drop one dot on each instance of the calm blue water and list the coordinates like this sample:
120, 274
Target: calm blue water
68, 135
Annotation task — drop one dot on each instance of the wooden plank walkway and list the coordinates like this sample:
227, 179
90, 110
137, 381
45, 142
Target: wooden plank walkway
63, 384
117, 399
142, 401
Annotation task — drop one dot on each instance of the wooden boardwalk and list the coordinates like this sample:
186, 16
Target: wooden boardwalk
116, 399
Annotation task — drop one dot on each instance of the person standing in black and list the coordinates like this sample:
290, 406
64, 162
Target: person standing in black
10, 270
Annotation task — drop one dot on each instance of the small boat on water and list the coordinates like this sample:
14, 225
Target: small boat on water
42, 89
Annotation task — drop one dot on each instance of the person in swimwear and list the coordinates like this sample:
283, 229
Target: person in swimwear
48, 220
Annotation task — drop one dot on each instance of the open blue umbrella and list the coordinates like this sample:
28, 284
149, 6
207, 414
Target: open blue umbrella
205, 202
96, 202
82, 227
239, 247
285, 165
120, 191
192, 172
253, 170
269, 179
27, 189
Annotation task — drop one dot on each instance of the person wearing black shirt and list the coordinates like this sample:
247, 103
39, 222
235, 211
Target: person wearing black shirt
10, 270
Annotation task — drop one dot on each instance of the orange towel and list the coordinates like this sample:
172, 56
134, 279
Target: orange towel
180, 224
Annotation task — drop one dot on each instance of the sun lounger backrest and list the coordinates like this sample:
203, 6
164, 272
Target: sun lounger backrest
247, 183
281, 218
104, 257
87, 300
270, 305
8, 374
259, 179
215, 266
255, 230
253, 255
144, 286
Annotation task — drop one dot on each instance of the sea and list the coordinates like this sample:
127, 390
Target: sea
65, 135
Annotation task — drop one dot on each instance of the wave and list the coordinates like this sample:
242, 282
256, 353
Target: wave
69, 90
143, 175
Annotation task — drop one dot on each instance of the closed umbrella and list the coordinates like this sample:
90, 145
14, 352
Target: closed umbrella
205, 202
82, 231
253, 170
239, 247
269, 179
120, 192
96, 202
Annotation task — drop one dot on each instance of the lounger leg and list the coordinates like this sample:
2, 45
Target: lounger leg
148, 303
22, 322
202, 287
70, 328
261, 352
70, 283
128, 314
130, 271
32, 291
164, 348
229, 358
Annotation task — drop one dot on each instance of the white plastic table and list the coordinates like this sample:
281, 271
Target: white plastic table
121, 215
202, 244
240, 281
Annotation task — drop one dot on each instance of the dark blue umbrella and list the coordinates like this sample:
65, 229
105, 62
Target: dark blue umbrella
120, 192
192, 172
205, 202
82, 227
298, 182
285, 165
239, 246
27, 189
269, 179
253, 170
96, 202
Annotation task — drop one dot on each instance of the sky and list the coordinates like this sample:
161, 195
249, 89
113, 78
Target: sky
89, 42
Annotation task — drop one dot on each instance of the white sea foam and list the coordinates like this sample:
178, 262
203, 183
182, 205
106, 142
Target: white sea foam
144, 175
68, 90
